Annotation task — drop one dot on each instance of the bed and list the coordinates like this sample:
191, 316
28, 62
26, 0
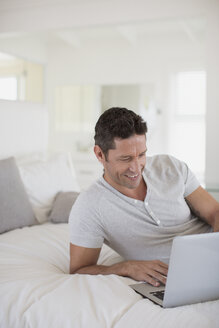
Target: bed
36, 289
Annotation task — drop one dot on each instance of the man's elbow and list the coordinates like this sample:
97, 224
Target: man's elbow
73, 270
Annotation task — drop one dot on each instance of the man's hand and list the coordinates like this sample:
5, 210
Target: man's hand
152, 272
83, 260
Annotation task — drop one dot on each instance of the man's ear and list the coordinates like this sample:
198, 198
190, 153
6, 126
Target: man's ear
99, 154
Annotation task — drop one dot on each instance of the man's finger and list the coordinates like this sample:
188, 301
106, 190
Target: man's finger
157, 276
157, 267
151, 280
162, 264
160, 269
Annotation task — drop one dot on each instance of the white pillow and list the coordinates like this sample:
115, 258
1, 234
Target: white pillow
44, 179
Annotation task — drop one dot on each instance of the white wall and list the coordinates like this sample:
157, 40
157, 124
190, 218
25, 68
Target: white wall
118, 62
212, 122
27, 47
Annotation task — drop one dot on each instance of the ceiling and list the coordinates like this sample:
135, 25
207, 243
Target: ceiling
22, 4
188, 31
191, 30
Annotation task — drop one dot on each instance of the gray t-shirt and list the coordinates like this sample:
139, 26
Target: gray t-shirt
138, 230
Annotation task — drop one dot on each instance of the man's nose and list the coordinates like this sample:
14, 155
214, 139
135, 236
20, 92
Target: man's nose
135, 166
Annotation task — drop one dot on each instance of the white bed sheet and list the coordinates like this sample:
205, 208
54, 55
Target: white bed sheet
37, 291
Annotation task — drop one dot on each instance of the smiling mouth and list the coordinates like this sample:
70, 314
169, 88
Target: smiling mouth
132, 177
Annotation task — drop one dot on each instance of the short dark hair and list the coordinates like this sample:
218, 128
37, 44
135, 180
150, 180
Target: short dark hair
117, 122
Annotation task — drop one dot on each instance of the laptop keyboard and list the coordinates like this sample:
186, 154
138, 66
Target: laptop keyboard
159, 294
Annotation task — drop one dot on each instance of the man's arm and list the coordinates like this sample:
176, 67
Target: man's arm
84, 261
204, 206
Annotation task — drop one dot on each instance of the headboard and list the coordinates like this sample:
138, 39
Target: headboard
23, 128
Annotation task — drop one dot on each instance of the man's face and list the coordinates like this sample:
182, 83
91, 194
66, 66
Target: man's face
125, 163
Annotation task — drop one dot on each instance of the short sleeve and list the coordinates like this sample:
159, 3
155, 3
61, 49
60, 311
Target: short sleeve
84, 223
190, 180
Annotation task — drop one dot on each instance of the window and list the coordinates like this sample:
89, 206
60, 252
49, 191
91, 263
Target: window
190, 93
77, 107
20, 79
8, 88
187, 127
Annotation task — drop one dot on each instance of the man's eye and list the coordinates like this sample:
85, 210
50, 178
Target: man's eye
125, 159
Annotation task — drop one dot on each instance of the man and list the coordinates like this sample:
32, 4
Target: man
138, 206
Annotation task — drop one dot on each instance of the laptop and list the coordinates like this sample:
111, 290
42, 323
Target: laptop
193, 274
